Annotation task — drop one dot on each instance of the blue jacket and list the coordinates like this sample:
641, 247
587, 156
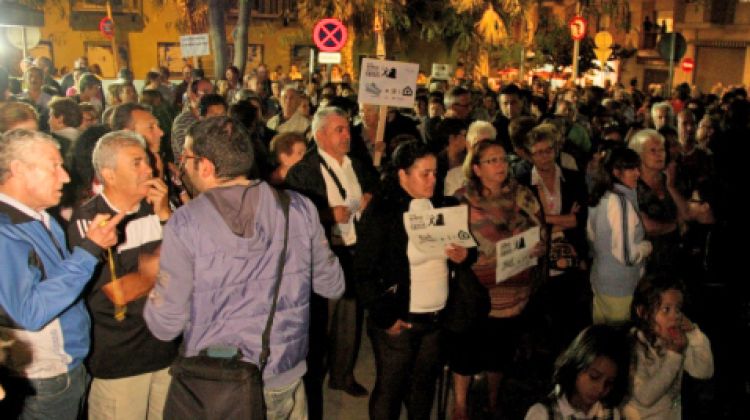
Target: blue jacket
218, 266
618, 244
40, 282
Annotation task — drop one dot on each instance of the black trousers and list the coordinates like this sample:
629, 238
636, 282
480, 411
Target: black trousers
407, 367
335, 337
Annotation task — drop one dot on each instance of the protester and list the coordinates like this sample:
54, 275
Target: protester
228, 304
41, 307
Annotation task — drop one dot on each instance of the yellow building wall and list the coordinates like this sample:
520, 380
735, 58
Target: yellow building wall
161, 26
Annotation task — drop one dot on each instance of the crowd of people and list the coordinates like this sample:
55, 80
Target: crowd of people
143, 226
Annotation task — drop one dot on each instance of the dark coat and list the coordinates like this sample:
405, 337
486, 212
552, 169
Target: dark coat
573, 189
381, 265
306, 177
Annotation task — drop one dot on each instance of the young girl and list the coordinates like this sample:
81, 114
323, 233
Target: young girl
666, 343
617, 237
591, 377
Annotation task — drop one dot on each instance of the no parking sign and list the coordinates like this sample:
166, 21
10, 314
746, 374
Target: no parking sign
329, 35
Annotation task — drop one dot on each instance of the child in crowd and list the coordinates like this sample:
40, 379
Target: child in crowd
617, 237
591, 377
665, 344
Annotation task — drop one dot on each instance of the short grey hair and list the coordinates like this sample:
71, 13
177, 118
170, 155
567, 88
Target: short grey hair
480, 128
17, 144
660, 106
321, 117
638, 141
109, 145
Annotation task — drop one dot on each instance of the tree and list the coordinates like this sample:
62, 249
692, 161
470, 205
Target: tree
217, 34
240, 42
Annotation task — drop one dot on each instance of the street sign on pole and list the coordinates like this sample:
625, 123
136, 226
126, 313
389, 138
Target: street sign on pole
107, 27
671, 47
578, 27
329, 35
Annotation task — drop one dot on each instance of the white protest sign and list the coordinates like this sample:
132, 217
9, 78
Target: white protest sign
441, 71
194, 45
431, 231
514, 254
389, 83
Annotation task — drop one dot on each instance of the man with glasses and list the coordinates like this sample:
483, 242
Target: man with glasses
458, 103
238, 222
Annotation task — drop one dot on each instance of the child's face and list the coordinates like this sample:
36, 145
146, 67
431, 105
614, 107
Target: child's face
668, 316
594, 383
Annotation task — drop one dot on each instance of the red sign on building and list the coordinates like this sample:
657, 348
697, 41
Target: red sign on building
688, 65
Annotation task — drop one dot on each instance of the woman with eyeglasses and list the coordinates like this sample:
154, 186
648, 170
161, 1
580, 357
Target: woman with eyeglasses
499, 208
563, 300
403, 288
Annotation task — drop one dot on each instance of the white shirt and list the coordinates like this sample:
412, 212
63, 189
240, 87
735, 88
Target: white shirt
42, 216
551, 200
342, 233
429, 275
539, 411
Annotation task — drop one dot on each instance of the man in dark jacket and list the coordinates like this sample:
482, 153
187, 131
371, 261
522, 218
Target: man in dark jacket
341, 187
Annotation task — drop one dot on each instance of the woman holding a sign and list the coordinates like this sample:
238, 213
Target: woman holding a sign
402, 280
506, 220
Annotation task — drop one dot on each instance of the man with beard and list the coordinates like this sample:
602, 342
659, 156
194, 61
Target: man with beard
237, 221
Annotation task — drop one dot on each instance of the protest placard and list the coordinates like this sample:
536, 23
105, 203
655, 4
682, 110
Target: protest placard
194, 45
390, 83
514, 254
431, 231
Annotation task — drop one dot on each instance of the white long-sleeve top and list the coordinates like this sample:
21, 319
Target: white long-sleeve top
656, 377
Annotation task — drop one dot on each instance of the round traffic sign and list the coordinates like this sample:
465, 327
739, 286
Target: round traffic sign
688, 65
578, 26
107, 27
664, 47
329, 35
603, 39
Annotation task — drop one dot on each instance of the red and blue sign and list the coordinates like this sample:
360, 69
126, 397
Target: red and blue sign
107, 27
329, 35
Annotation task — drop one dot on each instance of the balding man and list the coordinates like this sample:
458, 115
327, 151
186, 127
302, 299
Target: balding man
41, 281
340, 187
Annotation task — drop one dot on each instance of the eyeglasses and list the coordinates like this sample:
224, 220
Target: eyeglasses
497, 160
185, 157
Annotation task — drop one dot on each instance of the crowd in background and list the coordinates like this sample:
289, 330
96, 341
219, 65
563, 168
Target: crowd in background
637, 195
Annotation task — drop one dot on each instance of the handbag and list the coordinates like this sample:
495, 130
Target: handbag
468, 301
562, 254
217, 384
